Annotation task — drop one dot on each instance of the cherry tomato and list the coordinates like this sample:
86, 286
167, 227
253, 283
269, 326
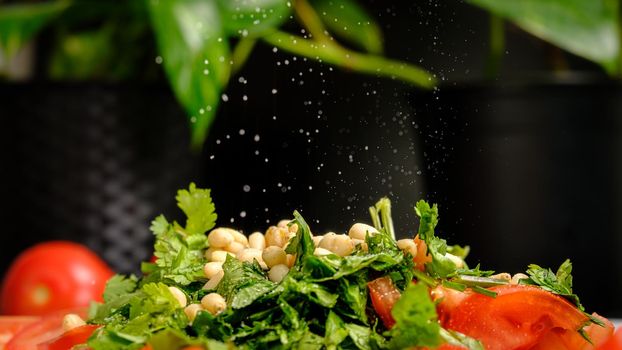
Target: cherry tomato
47, 328
520, 317
53, 276
69, 339
383, 296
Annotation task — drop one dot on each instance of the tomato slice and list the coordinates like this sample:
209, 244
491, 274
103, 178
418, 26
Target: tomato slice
520, 317
47, 328
9, 326
70, 338
383, 296
614, 342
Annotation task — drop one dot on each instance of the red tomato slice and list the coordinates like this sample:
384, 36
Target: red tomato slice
47, 328
519, 318
9, 326
614, 342
383, 296
69, 339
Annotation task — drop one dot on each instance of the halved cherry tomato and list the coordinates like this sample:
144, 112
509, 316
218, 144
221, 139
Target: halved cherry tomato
70, 338
383, 296
520, 317
47, 328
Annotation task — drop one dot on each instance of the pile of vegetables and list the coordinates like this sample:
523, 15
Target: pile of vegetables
375, 294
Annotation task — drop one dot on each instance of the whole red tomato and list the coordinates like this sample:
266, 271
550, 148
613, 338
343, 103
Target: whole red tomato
53, 276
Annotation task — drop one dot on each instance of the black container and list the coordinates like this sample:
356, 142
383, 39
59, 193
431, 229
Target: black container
92, 163
530, 173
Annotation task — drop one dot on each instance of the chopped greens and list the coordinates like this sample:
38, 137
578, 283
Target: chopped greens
321, 301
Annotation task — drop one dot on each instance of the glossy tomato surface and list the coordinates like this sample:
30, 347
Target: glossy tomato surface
383, 296
43, 330
9, 326
69, 339
53, 276
521, 317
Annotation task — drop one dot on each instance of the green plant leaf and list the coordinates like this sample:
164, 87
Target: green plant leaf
585, 28
196, 57
20, 22
253, 17
350, 22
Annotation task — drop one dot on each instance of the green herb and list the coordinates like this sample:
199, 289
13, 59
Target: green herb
415, 320
559, 283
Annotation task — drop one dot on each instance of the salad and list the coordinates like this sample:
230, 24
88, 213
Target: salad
291, 288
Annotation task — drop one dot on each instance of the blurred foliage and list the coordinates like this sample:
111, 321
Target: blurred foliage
587, 28
110, 40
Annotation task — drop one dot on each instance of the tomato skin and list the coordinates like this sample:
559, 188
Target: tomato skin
520, 317
383, 296
53, 276
69, 339
45, 329
9, 326
614, 342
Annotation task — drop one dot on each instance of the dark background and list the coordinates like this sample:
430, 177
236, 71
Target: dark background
95, 161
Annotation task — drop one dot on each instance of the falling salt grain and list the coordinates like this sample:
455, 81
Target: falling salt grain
246, 188
242, 132
158, 59
274, 91
242, 214
225, 98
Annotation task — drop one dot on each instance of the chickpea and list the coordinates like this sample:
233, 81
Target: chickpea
274, 255
220, 255
456, 260
291, 259
360, 230
71, 321
212, 283
179, 295
249, 254
214, 303
341, 245
283, 223
321, 252
239, 237
219, 237
257, 241
502, 276
212, 268
277, 273
234, 247
517, 277
317, 240
277, 236
408, 246
192, 310
293, 228
360, 242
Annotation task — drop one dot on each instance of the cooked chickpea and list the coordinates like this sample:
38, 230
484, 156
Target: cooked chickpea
360, 242
517, 277
456, 260
341, 245
219, 237
212, 283
257, 241
293, 228
277, 236
283, 223
502, 276
274, 255
317, 240
220, 255
321, 252
179, 295
249, 254
278, 272
408, 246
212, 268
239, 237
234, 247
360, 231
71, 321
291, 259
214, 303
192, 310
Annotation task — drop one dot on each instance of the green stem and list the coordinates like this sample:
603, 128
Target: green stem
619, 22
312, 22
497, 46
340, 57
240, 54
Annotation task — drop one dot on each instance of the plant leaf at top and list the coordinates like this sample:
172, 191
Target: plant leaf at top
586, 28
196, 57
20, 22
253, 17
349, 21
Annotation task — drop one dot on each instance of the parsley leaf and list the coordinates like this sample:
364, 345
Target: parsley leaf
118, 286
559, 283
415, 320
197, 204
243, 283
